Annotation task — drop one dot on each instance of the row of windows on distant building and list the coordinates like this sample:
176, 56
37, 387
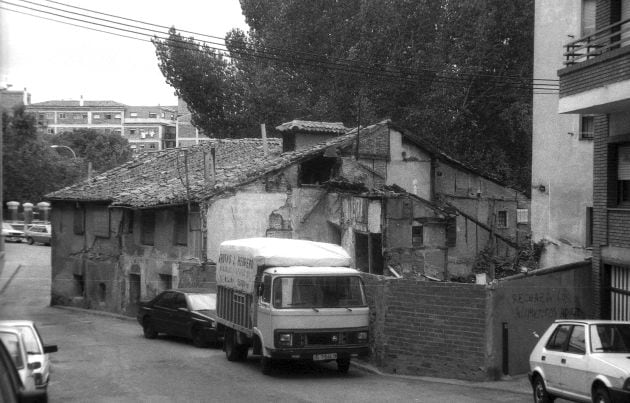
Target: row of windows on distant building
106, 116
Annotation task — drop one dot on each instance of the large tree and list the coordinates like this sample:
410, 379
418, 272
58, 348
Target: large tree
31, 168
458, 73
104, 150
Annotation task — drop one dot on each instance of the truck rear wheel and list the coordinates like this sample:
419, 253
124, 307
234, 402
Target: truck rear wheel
343, 365
234, 351
266, 365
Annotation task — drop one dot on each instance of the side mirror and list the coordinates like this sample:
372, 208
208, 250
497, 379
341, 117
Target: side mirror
182, 309
34, 365
261, 289
50, 348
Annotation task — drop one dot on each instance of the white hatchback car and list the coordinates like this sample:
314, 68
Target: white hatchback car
38, 358
582, 360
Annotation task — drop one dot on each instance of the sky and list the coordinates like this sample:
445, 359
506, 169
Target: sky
55, 61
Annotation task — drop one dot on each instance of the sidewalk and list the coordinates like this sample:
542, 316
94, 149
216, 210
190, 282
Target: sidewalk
515, 384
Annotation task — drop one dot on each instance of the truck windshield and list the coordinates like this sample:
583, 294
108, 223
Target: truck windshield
318, 292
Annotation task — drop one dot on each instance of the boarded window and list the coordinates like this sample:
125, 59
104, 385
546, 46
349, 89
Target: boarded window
78, 221
451, 232
502, 221
148, 227
180, 217
100, 221
522, 216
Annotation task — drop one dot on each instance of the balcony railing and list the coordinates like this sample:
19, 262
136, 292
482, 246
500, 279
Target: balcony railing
612, 37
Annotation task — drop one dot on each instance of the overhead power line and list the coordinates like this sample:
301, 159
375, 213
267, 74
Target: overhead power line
242, 53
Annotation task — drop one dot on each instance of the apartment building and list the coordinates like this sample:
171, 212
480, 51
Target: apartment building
562, 144
595, 80
146, 127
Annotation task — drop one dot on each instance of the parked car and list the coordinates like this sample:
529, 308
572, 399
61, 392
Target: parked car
40, 233
11, 234
11, 387
38, 352
582, 360
15, 343
189, 313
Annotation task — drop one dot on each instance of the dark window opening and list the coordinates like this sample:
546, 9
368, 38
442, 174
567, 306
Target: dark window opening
451, 232
128, 221
589, 227
417, 235
587, 127
288, 142
317, 171
78, 223
102, 292
181, 226
502, 221
166, 282
368, 252
148, 227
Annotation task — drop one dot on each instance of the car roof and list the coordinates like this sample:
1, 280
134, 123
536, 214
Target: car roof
9, 329
592, 321
16, 323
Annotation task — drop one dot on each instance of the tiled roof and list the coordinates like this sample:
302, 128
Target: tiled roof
158, 178
76, 104
313, 127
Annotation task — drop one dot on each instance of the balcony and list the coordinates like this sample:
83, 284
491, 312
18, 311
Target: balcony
596, 76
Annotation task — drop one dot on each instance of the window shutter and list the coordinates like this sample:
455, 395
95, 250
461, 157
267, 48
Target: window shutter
623, 164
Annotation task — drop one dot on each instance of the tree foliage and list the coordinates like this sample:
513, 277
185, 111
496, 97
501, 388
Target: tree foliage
465, 67
104, 150
31, 168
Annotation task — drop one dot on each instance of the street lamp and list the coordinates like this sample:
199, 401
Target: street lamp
60, 146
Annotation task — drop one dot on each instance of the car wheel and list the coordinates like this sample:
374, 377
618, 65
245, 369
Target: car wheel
343, 365
30, 240
148, 329
197, 338
540, 392
266, 365
601, 395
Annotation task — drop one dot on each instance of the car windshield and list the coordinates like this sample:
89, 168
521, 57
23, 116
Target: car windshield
30, 339
202, 302
610, 338
12, 343
318, 292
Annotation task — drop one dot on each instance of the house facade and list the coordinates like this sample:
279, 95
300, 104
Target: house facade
596, 81
562, 144
148, 128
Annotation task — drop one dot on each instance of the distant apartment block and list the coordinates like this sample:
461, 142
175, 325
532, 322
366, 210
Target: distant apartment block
187, 134
12, 98
145, 127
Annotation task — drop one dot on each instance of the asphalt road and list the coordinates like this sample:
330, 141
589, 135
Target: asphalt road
106, 359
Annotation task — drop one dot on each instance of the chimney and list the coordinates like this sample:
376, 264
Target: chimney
81, 101
26, 97
263, 132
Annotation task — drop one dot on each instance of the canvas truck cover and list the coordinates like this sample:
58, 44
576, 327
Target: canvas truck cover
239, 259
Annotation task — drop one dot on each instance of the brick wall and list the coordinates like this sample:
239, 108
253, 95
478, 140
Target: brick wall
602, 197
611, 67
428, 328
618, 224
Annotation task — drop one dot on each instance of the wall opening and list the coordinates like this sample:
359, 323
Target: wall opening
368, 252
79, 285
102, 292
134, 294
166, 282
317, 171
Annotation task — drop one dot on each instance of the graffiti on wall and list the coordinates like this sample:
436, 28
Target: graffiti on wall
547, 304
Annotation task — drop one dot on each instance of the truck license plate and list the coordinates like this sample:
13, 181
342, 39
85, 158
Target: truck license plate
323, 357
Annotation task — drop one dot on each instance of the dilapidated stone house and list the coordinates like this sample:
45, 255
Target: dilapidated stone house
156, 222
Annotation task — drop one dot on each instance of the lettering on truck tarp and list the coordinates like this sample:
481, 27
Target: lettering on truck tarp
236, 272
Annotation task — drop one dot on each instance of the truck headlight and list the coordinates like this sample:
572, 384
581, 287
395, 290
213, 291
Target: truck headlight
362, 337
285, 340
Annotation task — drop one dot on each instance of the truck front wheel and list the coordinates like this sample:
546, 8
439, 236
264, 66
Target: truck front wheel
343, 365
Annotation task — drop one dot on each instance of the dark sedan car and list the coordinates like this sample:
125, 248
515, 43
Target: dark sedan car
184, 313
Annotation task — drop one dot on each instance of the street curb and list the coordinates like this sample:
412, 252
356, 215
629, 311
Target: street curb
505, 385
95, 312
511, 384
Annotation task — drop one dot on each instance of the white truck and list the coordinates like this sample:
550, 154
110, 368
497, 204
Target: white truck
290, 300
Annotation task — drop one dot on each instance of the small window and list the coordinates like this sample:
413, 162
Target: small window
96, 116
41, 116
502, 221
108, 116
152, 146
180, 218
623, 174
589, 227
522, 216
50, 130
77, 116
451, 232
148, 227
134, 114
62, 116
117, 116
151, 133
152, 115
587, 127
117, 131
417, 235
132, 131
166, 282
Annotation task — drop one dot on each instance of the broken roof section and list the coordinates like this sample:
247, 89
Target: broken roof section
176, 175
